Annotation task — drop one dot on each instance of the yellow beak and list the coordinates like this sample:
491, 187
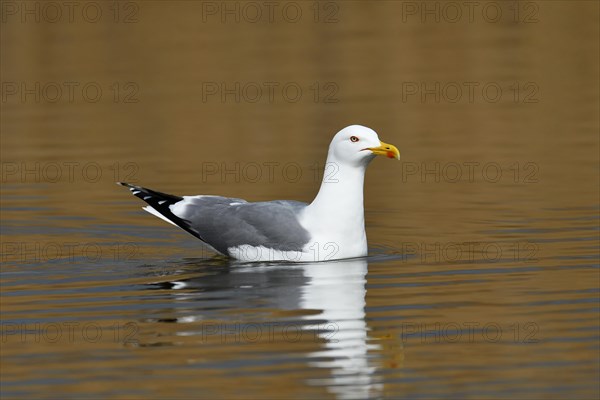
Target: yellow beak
388, 150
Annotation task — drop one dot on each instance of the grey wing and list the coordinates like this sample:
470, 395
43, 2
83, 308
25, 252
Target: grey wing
225, 222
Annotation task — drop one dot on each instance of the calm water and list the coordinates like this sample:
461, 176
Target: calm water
482, 279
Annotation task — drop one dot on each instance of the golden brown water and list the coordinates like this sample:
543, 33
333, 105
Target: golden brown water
483, 276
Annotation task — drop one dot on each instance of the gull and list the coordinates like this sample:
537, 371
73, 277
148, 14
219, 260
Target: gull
331, 227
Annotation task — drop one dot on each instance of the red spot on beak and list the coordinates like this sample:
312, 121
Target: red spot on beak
390, 155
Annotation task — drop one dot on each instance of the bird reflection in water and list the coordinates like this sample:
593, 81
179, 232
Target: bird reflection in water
329, 297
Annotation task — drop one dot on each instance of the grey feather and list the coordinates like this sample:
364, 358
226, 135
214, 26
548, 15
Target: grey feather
272, 224
225, 222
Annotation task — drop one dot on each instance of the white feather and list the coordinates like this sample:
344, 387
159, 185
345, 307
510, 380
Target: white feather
152, 211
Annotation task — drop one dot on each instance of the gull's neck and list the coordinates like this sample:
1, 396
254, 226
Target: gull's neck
337, 213
341, 191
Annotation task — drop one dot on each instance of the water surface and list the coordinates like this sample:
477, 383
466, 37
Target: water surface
482, 278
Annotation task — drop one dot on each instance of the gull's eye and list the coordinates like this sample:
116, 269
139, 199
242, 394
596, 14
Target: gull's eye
353, 139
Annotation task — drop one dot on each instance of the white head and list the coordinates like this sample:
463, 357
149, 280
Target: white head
357, 145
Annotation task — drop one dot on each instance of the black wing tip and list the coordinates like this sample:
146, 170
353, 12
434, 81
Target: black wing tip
135, 190
143, 194
161, 203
